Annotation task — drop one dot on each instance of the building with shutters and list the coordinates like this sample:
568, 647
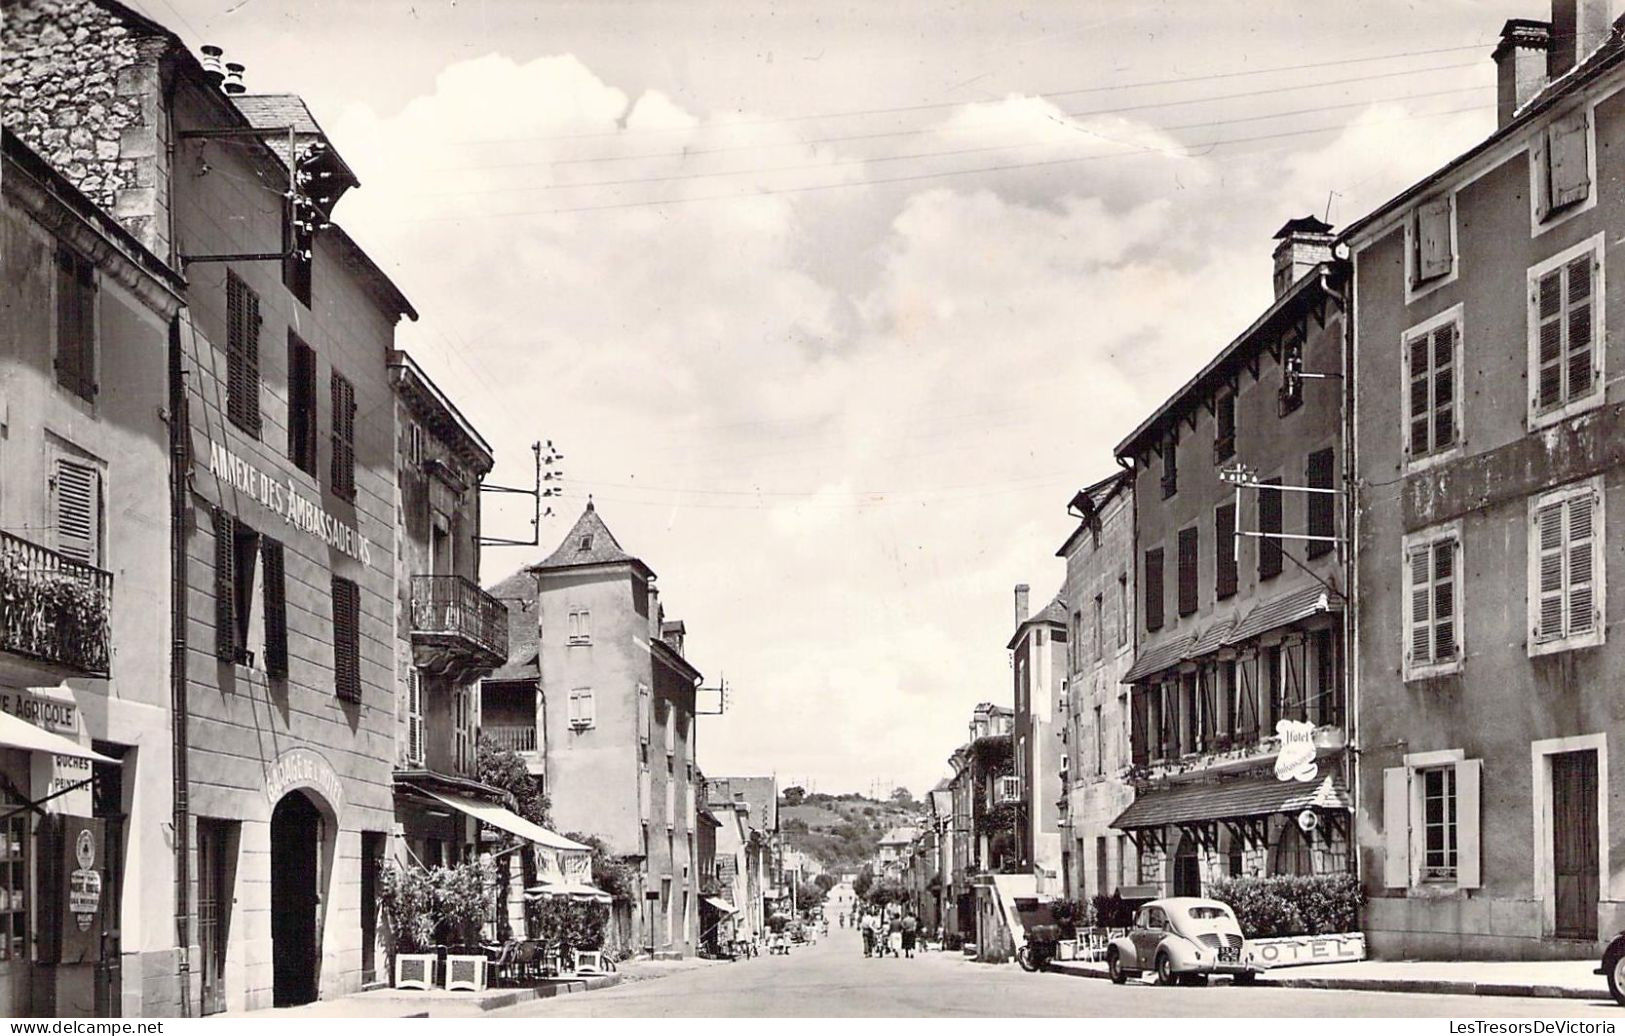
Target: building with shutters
85, 728
1488, 432
1237, 676
1038, 651
1098, 599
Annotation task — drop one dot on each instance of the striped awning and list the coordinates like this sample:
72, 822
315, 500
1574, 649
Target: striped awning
1226, 800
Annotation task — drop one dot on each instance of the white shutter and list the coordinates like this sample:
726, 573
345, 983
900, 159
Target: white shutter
1444, 600
1433, 239
1548, 588
1468, 808
1396, 827
1569, 172
78, 511
1548, 315
1420, 640
586, 708
1580, 562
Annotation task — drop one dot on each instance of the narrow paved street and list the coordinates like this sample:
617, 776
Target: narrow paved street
834, 979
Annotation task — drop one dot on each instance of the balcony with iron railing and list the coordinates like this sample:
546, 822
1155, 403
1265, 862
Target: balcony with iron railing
512, 737
54, 614
458, 629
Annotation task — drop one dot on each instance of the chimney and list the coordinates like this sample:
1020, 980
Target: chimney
1305, 243
214, 64
1021, 603
1578, 28
234, 79
1520, 65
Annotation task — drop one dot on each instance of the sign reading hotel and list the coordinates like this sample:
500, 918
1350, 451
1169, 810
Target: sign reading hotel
285, 501
1296, 762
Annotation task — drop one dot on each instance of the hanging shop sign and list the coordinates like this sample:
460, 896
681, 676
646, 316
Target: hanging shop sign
1296, 761
72, 883
283, 499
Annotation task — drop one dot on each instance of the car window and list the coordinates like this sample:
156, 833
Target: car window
1208, 913
1155, 919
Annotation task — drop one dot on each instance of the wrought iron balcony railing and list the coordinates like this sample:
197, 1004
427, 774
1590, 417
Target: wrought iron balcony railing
54, 610
458, 625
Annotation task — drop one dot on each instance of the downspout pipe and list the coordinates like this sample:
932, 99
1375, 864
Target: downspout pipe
179, 433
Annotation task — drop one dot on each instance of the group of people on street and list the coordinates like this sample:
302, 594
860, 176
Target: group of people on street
895, 934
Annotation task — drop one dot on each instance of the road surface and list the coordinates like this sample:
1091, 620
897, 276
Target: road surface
833, 979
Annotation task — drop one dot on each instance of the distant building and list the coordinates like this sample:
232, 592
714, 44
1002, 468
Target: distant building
1038, 652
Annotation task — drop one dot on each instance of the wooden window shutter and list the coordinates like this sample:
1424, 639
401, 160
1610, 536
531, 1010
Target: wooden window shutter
1444, 600
242, 355
1153, 589
1549, 344
1321, 507
1269, 522
1224, 551
1433, 253
1396, 827
225, 586
414, 716
78, 511
343, 461
1583, 562
1579, 347
1419, 643
1540, 155
275, 593
346, 639
1189, 558
1419, 411
1549, 590
1443, 403
75, 323
1569, 171
1469, 869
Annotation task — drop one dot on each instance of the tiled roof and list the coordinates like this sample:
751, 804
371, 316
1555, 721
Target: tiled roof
1284, 610
1213, 638
1169, 653
523, 630
900, 835
589, 542
265, 111
1244, 797
1053, 613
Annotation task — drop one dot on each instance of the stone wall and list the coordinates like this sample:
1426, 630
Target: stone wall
81, 89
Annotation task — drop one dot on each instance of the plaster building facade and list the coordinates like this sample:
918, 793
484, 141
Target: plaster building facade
1488, 430
1238, 665
1038, 652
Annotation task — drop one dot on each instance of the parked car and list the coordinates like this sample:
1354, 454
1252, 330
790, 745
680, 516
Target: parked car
1183, 941
1613, 966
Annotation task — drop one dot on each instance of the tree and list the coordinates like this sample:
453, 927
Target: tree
794, 795
809, 895
864, 881
826, 881
902, 796
882, 893
610, 873
504, 769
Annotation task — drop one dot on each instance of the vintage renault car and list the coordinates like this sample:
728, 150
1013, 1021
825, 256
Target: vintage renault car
1183, 941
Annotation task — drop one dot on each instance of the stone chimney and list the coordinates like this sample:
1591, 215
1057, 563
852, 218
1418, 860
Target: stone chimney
1305, 243
1520, 65
1578, 28
1022, 591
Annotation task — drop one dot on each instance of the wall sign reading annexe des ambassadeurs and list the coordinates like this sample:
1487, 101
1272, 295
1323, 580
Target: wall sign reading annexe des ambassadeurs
285, 501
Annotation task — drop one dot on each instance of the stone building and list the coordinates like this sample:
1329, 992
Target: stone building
1488, 425
85, 720
1098, 598
1238, 664
1038, 651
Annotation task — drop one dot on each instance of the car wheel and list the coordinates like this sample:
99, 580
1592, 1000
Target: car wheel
1613, 963
1244, 978
1114, 967
1024, 957
1165, 970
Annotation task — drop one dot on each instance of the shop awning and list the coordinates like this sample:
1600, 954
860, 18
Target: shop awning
506, 820
1212, 639
19, 733
1155, 660
721, 904
1243, 797
1285, 610
573, 890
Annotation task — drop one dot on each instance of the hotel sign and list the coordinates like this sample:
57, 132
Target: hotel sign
283, 499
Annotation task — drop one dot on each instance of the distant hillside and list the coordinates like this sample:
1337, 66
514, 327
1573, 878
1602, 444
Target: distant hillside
840, 831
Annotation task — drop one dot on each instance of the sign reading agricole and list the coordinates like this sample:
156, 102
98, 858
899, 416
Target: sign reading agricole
284, 500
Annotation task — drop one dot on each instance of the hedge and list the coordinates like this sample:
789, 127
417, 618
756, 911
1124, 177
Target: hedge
1324, 904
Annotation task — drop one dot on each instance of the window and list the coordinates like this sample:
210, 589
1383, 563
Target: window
644, 716
1189, 547
1074, 644
242, 355
1293, 853
1153, 589
342, 478
1432, 253
1170, 466
1432, 360
1269, 523
275, 596
1122, 609
16, 839
1321, 507
1565, 325
1100, 625
1566, 577
1224, 553
1562, 164
1439, 844
1100, 740
296, 244
580, 626
236, 551
585, 544
346, 639
1432, 604
582, 716
1291, 377
414, 717
75, 323
301, 404
462, 730
78, 501
1224, 417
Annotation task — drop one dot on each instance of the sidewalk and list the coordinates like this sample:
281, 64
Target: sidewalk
1564, 979
429, 1003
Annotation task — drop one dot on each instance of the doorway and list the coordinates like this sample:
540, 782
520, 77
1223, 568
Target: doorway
296, 838
1575, 863
372, 859
1187, 868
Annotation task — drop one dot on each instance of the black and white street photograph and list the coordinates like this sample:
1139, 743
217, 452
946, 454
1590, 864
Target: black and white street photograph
769, 509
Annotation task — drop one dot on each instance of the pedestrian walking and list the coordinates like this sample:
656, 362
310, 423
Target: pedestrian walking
911, 929
894, 936
867, 926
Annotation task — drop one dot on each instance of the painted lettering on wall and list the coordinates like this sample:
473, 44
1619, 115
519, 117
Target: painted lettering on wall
61, 717
284, 499
301, 767
1297, 759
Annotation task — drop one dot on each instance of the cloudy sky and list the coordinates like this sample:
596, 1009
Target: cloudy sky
831, 308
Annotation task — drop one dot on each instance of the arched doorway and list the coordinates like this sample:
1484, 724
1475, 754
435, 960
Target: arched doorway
1187, 868
296, 840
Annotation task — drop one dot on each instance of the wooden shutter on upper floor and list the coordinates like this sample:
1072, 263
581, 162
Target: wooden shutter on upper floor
275, 593
242, 355
1433, 253
1568, 168
75, 323
342, 477
1153, 589
1189, 558
346, 639
78, 511
1269, 522
1224, 551
225, 586
1321, 507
